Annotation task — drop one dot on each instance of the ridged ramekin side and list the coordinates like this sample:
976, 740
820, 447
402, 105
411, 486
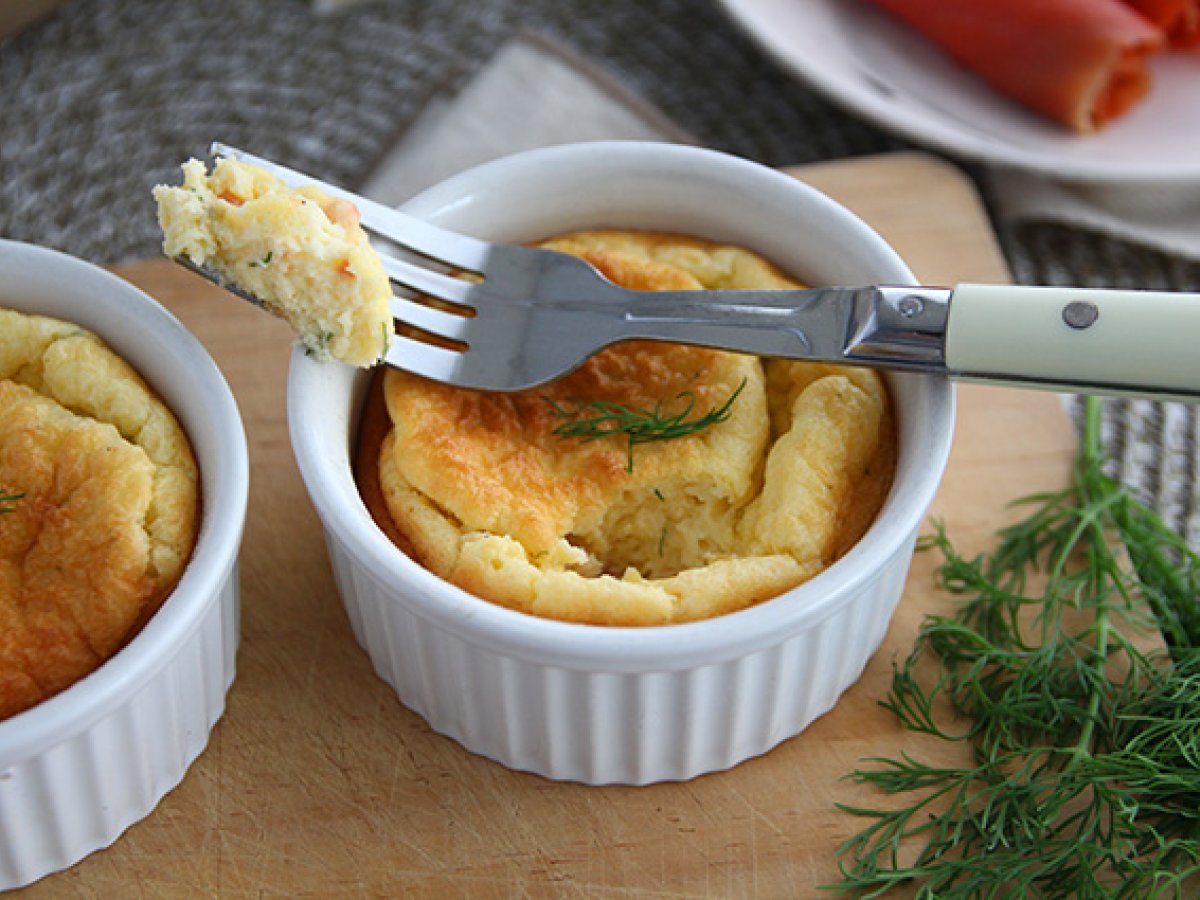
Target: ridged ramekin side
596, 726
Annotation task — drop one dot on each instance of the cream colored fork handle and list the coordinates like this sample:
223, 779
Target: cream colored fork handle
1137, 342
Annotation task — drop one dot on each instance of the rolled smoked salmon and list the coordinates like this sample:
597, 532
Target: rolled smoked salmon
1179, 19
1081, 62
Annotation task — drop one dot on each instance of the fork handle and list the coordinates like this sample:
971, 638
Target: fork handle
1097, 341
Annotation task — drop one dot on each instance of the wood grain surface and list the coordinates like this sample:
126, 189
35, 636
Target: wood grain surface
318, 782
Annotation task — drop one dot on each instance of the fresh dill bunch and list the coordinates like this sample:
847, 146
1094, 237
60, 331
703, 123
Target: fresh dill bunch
598, 419
1084, 779
8, 501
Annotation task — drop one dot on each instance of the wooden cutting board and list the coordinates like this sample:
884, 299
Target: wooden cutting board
317, 781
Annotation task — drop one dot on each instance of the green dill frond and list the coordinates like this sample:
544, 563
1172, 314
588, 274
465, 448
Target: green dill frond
597, 419
1085, 750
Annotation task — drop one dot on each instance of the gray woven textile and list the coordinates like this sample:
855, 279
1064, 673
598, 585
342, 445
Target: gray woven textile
100, 103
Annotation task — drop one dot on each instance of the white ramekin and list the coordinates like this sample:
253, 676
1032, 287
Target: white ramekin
79, 768
626, 705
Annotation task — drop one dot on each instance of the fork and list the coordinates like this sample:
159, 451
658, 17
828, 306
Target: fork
536, 314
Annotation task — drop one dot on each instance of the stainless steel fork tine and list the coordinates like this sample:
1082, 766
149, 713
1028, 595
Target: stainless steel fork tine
424, 359
427, 281
434, 321
458, 250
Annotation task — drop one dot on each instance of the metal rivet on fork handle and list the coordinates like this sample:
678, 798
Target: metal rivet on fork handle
1080, 314
910, 307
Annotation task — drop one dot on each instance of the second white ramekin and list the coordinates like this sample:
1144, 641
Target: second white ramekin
79, 768
625, 705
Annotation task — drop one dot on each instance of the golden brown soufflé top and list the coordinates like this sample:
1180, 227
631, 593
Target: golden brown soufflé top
483, 488
100, 511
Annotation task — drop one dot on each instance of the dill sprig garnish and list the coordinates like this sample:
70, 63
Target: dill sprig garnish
1084, 779
8, 501
597, 419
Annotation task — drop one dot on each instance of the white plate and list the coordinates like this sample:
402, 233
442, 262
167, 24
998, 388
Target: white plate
860, 57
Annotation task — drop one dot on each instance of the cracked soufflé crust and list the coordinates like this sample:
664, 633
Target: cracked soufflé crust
106, 506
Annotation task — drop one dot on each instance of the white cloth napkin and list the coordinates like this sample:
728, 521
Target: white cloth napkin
532, 93
1166, 217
